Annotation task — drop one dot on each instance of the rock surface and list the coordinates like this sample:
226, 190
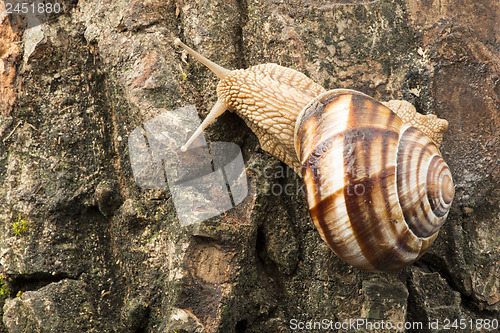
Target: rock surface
84, 249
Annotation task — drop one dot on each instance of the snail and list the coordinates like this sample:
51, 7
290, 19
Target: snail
377, 187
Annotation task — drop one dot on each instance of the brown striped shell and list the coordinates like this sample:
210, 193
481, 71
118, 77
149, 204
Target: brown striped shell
378, 190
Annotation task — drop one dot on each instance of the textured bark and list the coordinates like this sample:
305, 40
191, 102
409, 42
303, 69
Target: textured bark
83, 248
9, 56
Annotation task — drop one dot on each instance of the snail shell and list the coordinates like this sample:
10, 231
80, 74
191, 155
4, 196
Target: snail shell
377, 187
378, 190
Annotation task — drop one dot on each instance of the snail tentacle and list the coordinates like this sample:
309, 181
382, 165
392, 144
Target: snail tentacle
218, 70
216, 111
220, 106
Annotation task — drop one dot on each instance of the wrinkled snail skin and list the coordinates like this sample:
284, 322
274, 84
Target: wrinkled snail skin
377, 187
267, 97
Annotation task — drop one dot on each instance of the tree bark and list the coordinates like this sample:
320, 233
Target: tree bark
83, 248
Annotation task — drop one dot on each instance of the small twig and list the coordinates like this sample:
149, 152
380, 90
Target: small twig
11, 133
38, 189
33, 127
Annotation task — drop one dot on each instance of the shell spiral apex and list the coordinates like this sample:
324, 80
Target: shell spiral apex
377, 187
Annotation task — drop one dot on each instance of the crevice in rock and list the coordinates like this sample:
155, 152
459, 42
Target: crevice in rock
267, 266
238, 36
241, 326
471, 304
260, 245
467, 301
112, 118
417, 310
35, 281
143, 324
414, 313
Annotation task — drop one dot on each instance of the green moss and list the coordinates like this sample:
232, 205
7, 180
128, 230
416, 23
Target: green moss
20, 226
23, 113
4, 291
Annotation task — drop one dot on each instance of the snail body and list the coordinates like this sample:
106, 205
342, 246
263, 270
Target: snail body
377, 187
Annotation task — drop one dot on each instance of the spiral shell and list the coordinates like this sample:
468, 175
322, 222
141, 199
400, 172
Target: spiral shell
378, 190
